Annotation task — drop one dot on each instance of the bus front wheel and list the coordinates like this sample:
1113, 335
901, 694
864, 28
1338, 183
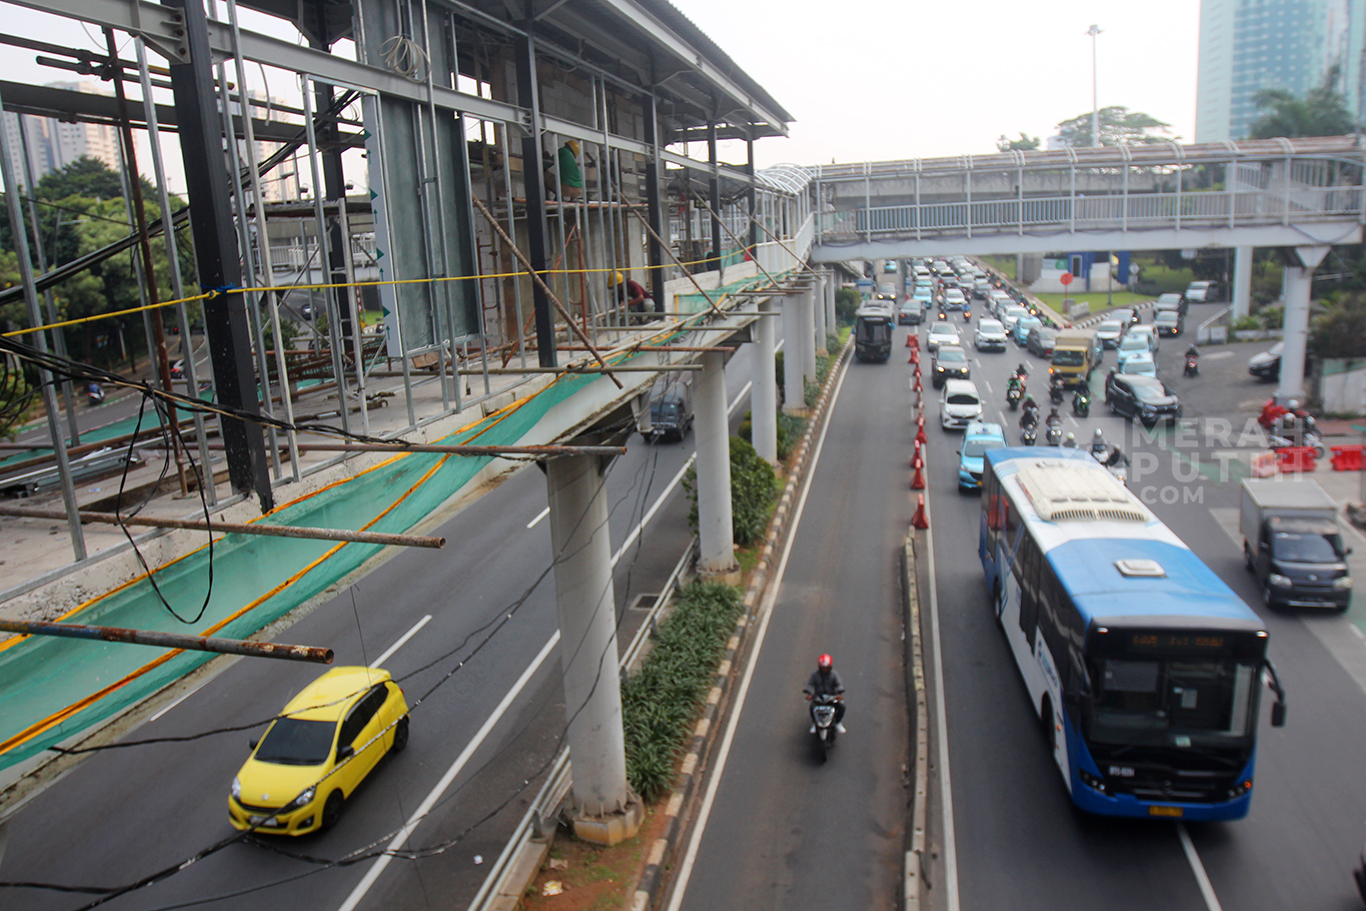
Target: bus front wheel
1050, 733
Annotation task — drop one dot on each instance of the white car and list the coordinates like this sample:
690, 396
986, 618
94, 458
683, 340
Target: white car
1011, 315
1147, 332
1140, 363
942, 333
990, 335
1131, 345
959, 405
1109, 333
954, 299
998, 299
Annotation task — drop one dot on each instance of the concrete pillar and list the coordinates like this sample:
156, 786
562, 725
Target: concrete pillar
606, 810
818, 307
794, 399
763, 397
1298, 285
831, 318
715, 529
1242, 281
808, 331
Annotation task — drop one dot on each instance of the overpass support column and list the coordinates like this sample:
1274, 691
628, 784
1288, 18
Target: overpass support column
1242, 281
808, 330
764, 394
794, 399
715, 529
831, 317
1299, 279
606, 812
818, 307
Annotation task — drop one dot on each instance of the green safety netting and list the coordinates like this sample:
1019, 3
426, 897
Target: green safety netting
66, 686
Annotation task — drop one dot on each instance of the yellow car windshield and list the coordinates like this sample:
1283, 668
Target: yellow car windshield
291, 741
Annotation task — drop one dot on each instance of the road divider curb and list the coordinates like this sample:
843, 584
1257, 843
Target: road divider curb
649, 888
913, 878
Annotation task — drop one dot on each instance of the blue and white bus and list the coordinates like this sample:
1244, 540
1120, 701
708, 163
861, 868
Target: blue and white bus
1143, 665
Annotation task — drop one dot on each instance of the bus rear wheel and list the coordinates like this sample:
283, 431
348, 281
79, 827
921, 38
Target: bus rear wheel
1050, 733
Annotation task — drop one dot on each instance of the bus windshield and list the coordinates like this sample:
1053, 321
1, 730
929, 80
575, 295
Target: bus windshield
874, 330
1175, 702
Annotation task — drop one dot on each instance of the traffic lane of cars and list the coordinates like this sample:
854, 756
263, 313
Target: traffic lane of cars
1020, 843
786, 830
142, 816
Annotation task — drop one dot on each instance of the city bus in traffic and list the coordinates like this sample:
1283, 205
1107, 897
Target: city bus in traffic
1144, 667
873, 325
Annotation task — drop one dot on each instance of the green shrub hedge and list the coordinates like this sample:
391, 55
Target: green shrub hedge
660, 703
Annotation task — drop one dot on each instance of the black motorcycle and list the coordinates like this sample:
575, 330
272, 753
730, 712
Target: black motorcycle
1192, 365
1053, 435
1081, 401
1055, 390
823, 718
94, 394
1029, 434
1013, 397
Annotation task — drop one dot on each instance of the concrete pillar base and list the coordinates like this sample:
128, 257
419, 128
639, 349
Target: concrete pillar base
611, 828
724, 576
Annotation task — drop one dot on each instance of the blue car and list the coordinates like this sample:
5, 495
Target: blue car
977, 439
1022, 327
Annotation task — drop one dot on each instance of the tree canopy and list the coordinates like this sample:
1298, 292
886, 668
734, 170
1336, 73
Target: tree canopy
1119, 126
1321, 112
1024, 144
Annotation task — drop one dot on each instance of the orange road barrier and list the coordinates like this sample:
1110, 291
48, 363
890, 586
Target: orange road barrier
920, 520
1295, 458
1347, 458
918, 482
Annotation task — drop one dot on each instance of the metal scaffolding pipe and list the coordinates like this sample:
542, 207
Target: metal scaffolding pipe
549, 449
239, 528
307, 653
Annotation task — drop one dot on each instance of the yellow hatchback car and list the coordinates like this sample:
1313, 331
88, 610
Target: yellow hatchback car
319, 749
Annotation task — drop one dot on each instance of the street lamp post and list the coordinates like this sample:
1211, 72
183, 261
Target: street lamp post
1093, 31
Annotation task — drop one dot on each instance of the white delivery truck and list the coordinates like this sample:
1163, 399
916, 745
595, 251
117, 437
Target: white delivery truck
1293, 545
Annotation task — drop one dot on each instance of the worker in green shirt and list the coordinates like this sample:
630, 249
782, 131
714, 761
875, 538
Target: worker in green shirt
571, 177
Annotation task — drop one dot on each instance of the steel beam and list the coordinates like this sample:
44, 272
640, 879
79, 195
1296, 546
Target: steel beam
528, 93
225, 316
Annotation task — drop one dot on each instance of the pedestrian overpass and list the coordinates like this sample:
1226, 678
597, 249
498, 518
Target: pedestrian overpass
1301, 195
1163, 196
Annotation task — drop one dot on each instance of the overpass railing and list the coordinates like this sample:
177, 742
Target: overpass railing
1215, 208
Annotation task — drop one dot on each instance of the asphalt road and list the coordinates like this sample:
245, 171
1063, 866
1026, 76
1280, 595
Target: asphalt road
1017, 841
128, 813
785, 830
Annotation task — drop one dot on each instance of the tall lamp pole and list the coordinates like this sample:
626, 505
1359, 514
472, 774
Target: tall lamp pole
1093, 31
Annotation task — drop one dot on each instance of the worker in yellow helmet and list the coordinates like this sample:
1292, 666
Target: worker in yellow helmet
633, 295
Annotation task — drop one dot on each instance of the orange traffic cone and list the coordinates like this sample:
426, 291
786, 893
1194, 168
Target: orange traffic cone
920, 520
915, 456
918, 482
920, 434
917, 380
910, 340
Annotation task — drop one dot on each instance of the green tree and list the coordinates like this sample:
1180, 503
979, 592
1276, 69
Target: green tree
1024, 144
1321, 112
1340, 329
1119, 126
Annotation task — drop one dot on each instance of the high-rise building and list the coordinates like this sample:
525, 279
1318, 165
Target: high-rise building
71, 141
24, 131
1250, 45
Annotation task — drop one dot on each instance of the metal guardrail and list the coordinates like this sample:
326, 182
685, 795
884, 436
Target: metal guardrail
556, 785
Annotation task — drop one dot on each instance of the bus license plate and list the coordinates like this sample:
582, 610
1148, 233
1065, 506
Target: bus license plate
1165, 811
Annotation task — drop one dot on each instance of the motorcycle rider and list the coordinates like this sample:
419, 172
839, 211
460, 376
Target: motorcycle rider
1053, 419
1098, 445
1116, 457
825, 681
1069, 441
1031, 409
1014, 385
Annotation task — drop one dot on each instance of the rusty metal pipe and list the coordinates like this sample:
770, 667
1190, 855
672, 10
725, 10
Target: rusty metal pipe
307, 653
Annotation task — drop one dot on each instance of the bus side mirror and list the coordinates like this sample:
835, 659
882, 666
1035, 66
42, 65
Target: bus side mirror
1278, 715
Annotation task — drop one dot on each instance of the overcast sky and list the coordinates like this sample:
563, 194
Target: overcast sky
880, 79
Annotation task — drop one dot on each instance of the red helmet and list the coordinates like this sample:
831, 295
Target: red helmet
825, 662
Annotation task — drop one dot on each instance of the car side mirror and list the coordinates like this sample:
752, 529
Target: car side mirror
1278, 715
1347, 552
1265, 545
252, 743
345, 752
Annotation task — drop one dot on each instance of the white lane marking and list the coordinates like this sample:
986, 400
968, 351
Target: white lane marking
539, 516
942, 732
402, 640
177, 702
382, 862
766, 610
1206, 890
988, 387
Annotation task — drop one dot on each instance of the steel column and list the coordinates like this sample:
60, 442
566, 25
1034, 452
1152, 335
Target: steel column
714, 193
528, 96
654, 205
225, 316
